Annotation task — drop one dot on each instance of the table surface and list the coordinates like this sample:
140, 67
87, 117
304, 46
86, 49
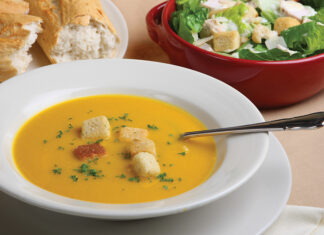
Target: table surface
305, 149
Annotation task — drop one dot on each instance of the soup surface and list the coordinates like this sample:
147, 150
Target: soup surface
43, 150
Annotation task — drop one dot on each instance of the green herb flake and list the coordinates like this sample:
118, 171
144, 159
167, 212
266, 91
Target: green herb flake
126, 155
123, 126
171, 165
59, 134
115, 128
152, 127
182, 153
70, 118
90, 111
99, 141
165, 187
134, 179
122, 176
71, 143
168, 143
60, 148
124, 117
57, 171
86, 179
162, 178
170, 134
179, 179
94, 161
74, 178
45, 141
70, 126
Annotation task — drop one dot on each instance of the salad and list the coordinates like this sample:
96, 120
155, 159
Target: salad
269, 30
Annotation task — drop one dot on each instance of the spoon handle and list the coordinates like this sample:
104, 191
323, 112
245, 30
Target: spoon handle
309, 121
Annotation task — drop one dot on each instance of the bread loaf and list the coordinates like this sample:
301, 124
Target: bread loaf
74, 29
17, 33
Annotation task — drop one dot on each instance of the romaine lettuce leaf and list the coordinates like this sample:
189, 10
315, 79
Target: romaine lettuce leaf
270, 55
236, 15
188, 19
269, 9
269, 15
316, 4
319, 17
306, 38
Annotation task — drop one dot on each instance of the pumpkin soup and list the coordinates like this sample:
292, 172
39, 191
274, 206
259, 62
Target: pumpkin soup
54, 151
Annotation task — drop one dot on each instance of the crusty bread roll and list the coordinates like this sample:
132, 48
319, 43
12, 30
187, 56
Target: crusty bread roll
17, 33
14, 6
74, 30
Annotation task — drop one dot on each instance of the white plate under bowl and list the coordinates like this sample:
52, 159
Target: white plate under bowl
211, 101
250, 210
116, 18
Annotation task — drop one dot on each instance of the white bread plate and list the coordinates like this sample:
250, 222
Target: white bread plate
210, 100
116, 18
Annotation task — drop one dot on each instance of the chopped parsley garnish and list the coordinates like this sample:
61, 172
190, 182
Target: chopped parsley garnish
74, 178
59, 134
153, 127
182, 153
85, 169
123, 126
69, 118
165, 187
99, 141
71, 143
115, 128
168, 143
60, 148
124, 117
90, 111
70, 126
122, 176
162, 178
134, 179
179, 179
45, 141
57, 171
126, 155
171, 165
170, 134
163, 164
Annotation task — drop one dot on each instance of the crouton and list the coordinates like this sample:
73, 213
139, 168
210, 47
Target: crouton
284, 23
87, 151
142, 145
261, 32
97, 127
146, 165
128, 134
226, 41
251, 13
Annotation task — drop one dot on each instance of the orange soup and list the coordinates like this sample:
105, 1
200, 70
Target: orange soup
43, 150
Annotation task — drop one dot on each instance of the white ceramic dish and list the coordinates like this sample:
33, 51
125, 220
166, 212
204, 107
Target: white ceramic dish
117, 19
250, 210
213, 102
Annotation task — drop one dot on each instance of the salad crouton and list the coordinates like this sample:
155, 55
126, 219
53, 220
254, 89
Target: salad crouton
226, 41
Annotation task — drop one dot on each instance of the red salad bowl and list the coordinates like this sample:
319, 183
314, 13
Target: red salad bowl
267, 84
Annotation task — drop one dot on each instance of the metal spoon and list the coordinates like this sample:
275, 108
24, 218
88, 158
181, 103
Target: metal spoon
309, 121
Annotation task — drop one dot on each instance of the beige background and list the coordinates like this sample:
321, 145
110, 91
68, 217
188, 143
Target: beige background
305, 149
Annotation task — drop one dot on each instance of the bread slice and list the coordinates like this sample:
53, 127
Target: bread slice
17, 34
74, 30
14, 6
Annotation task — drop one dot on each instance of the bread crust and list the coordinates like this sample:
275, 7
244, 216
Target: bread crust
65, 12
12, 38
14, 6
